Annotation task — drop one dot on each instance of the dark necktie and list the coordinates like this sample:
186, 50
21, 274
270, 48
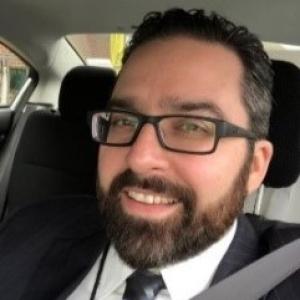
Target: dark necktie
143, 285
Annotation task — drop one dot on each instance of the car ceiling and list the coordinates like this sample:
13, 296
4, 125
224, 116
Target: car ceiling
34, 25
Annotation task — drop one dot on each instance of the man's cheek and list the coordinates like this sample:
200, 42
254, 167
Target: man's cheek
107, 173
106, 166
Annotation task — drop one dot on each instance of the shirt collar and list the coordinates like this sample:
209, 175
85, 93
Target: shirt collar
190, 277
113, 277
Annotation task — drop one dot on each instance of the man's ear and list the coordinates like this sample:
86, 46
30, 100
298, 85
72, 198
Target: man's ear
263, 151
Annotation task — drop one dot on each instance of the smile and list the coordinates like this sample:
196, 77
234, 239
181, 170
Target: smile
150, 198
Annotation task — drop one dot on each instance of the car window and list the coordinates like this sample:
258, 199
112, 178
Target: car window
13, 74
285, 52
104, 49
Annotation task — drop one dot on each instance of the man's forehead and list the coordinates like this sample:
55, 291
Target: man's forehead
183, 59
181, 74
170, 105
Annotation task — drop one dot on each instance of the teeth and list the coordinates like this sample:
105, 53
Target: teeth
150, 199
157, 199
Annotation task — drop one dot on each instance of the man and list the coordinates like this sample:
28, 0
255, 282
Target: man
182, 144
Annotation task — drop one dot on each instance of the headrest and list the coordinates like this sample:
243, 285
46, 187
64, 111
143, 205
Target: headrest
84, 89
285, 126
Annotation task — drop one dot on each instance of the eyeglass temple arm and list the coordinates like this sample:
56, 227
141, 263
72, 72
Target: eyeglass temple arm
229, 130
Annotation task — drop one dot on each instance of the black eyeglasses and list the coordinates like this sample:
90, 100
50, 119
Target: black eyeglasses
179, 133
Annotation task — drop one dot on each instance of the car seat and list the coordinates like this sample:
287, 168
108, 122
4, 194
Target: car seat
56, 155
284, 133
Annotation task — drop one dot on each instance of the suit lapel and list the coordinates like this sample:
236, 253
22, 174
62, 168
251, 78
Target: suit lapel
243, 250
63, 266
64, 262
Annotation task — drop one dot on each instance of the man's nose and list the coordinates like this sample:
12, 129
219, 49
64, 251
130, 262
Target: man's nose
146, 155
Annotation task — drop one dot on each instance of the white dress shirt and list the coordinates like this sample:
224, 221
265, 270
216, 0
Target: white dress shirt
183, 280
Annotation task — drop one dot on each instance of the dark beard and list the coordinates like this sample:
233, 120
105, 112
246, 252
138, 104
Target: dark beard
146, 244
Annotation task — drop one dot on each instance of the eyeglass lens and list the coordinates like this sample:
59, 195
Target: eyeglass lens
179, 133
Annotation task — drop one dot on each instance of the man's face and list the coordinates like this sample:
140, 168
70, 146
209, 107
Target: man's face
195, 197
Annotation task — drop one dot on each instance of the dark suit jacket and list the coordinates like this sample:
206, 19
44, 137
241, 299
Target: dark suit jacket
46, 250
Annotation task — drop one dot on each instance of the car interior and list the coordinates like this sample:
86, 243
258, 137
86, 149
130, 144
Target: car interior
46, 149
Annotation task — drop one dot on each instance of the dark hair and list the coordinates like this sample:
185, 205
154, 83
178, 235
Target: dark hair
258, 74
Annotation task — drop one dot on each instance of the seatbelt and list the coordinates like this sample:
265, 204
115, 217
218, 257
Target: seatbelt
257, 279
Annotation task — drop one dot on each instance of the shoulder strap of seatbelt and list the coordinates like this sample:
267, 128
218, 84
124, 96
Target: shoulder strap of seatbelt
257, 279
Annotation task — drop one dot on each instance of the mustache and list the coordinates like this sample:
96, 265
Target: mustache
154, 183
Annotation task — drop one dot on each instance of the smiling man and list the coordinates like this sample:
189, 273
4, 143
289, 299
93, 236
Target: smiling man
183, 142
170, 174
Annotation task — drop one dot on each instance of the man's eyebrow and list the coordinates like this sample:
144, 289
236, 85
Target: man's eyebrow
194, 105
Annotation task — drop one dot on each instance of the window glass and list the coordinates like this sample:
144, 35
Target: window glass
13, 74
104, 50
285, 52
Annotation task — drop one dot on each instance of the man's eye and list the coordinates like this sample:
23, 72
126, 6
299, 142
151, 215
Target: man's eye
123, 122
189, 127
194, 128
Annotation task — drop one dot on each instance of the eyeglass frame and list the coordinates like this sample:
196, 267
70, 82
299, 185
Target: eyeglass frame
223, 129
